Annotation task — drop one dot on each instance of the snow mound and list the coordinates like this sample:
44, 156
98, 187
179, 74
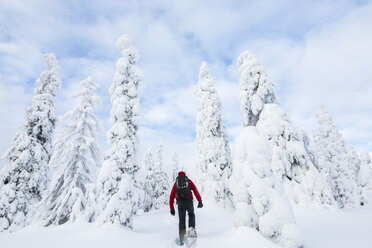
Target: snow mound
258, 204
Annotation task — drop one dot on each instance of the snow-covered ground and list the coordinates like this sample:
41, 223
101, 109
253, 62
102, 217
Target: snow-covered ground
336, 228
321, 228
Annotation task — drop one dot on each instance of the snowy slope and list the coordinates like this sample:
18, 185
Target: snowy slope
321, 228
158, 229
337, 228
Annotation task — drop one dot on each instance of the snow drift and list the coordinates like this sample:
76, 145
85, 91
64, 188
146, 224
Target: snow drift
258, 204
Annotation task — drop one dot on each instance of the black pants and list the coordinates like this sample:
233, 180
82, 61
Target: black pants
183, 206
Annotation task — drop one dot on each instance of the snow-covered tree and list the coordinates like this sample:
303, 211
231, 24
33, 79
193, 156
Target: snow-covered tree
255, 88
257, 203
77, 158
159, 160
175, 167
149, 182
365, 178
292, 159
331, 154
26, 175
161, 181
156, 181
119, 184
353, 162
214, 165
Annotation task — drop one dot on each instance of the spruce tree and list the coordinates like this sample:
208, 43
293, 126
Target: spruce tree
119, 185
354, 163
331, 154
26, 174
365, 178
156, 181
161, 181
293, 160
214, 164
77, 158
149, 182
175, 167
255, 88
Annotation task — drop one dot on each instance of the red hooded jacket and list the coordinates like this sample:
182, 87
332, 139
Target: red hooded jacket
192, 187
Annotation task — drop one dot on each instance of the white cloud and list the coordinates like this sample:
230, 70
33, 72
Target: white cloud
316, 52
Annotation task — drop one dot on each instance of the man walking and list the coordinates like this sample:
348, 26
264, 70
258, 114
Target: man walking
182, 192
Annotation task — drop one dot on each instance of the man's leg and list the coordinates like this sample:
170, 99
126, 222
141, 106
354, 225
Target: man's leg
190, 211
182, 220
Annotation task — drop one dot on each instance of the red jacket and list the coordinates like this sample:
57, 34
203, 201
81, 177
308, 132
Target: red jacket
192, 187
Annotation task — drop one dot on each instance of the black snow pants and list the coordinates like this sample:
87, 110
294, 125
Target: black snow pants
183, 206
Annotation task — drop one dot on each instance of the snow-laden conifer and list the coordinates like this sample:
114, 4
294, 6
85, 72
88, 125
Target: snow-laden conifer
156, 181
119, 184
149, 182
292, 159
255, 88
161, 178
257, 202
331, 154
76, 158
353, 162
26, 175
214, 163
175, 167
365, 178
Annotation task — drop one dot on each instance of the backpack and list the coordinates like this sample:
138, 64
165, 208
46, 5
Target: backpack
182, 188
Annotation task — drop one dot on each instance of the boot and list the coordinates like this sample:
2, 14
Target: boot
182, 233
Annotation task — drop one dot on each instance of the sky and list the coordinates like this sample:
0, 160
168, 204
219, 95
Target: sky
316, 52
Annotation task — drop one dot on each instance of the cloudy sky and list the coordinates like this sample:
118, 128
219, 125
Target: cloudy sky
316, 52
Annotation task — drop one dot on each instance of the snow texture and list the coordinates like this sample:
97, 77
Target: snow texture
258, 204
120, 192
255, 88
331, 154
292, 160
77, 158
214, 163
25, 175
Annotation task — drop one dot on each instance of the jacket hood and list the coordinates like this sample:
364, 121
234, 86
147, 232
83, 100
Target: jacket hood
181, 173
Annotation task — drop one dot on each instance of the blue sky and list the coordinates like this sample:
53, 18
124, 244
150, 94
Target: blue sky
316, 52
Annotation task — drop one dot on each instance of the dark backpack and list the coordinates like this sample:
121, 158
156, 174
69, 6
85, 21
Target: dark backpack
182, 188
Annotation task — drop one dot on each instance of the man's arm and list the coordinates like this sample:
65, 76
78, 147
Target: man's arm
172, 196
195, 190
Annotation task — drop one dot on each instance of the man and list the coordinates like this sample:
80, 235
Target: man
182, 192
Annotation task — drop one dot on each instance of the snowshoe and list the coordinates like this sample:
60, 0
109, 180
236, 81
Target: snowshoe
191, 233
191, 238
